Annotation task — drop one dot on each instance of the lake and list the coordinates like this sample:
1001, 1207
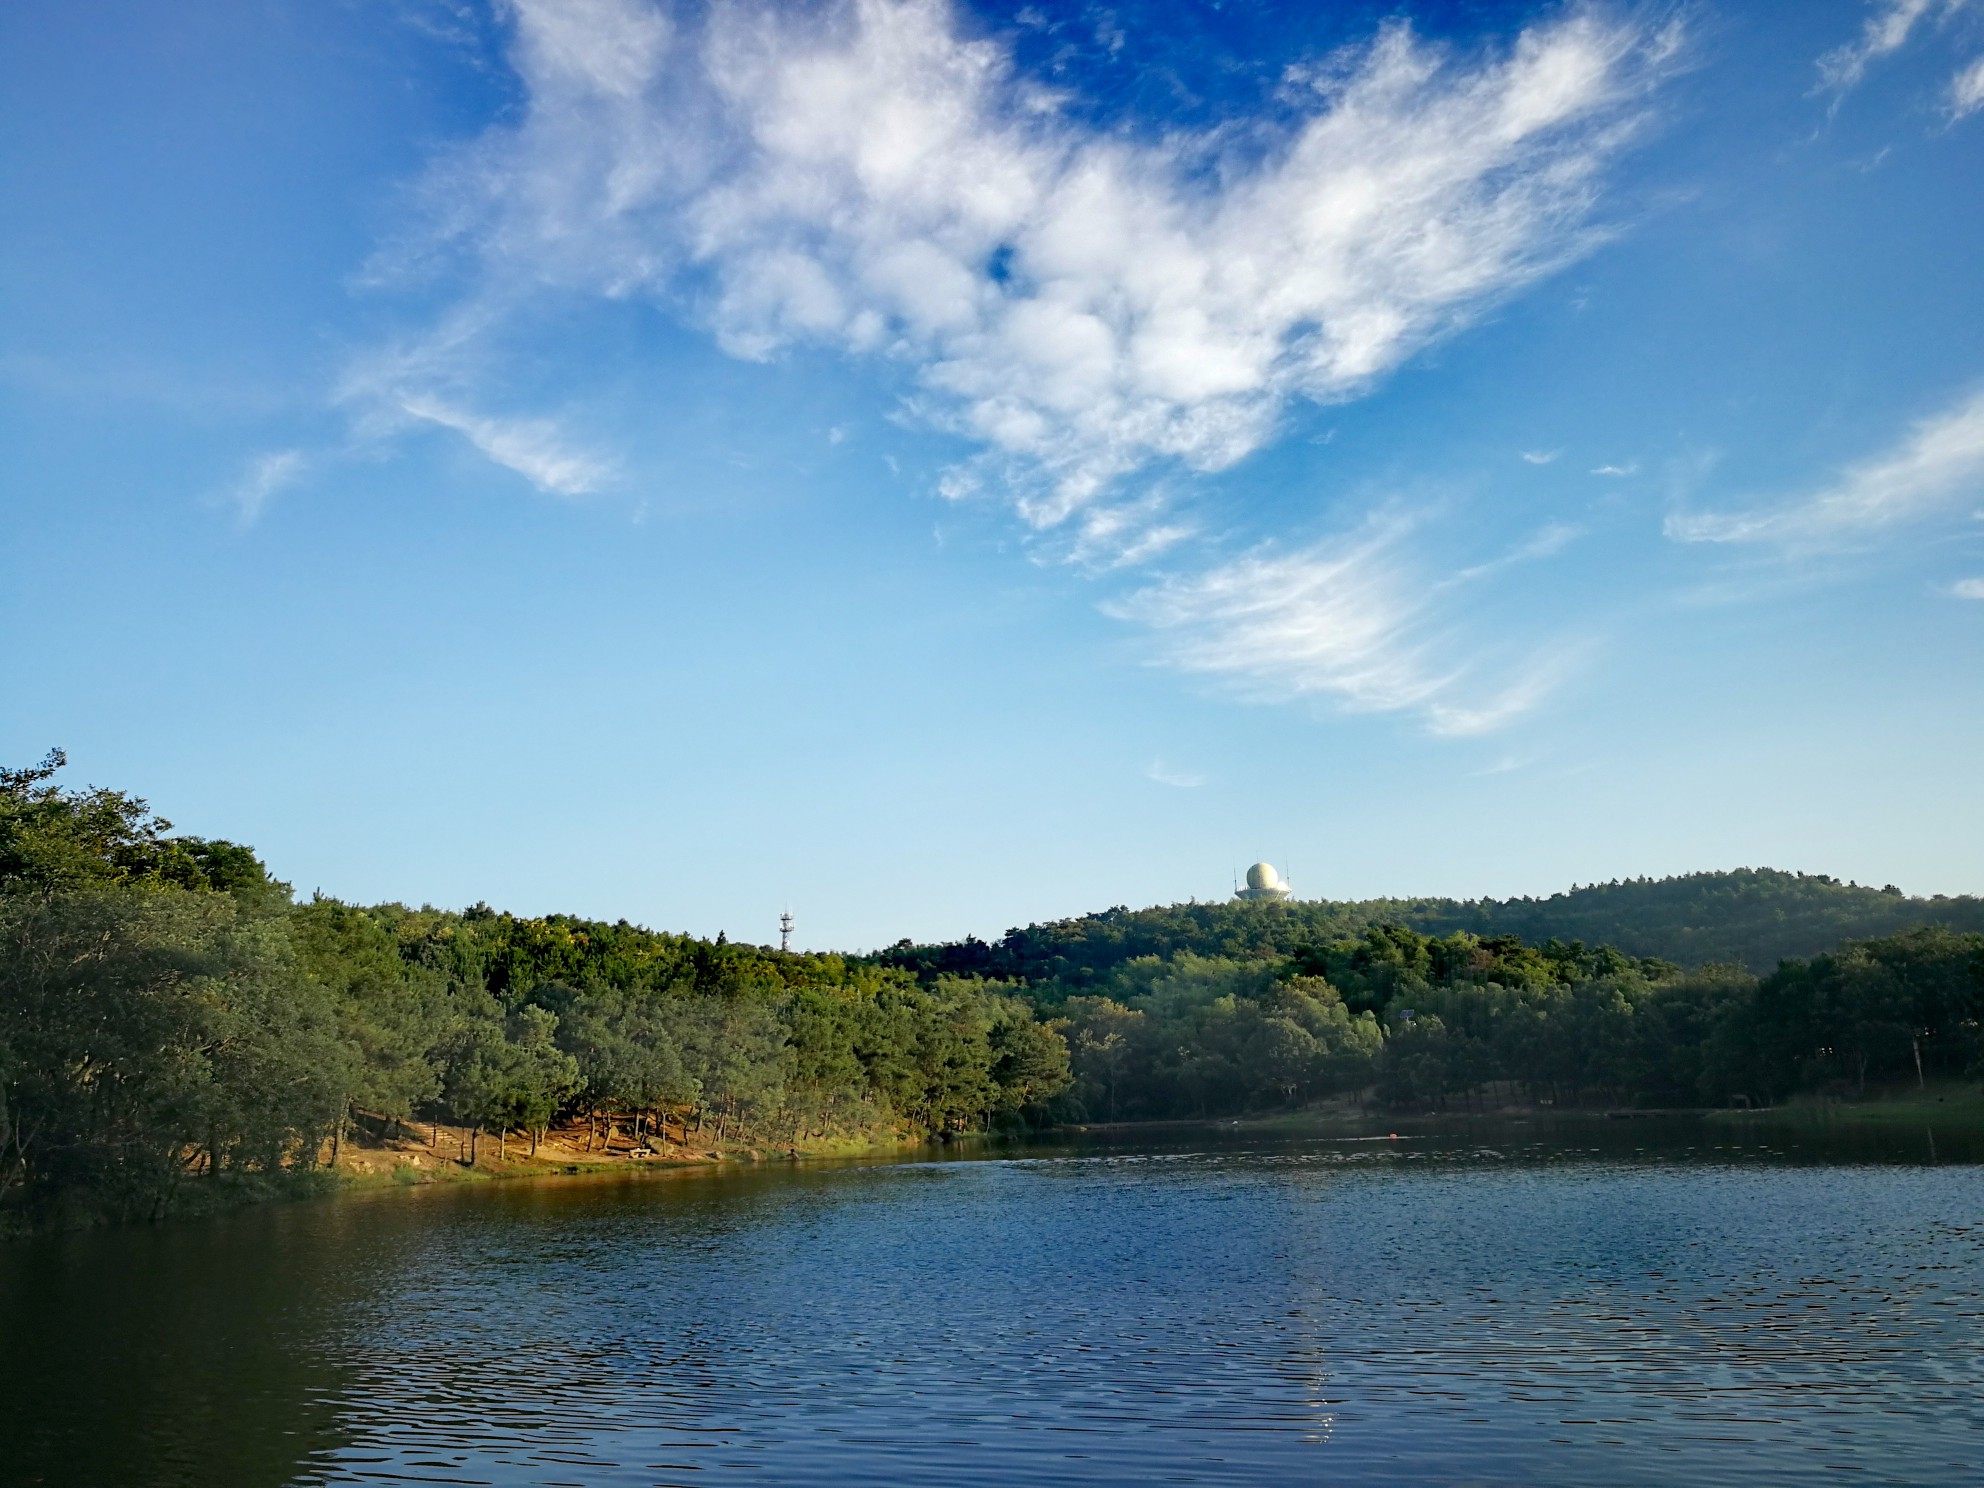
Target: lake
1629, 1302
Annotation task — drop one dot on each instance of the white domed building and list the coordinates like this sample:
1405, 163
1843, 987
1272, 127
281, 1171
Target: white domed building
1264, 883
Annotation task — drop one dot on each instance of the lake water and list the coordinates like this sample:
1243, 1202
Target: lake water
1597, 1303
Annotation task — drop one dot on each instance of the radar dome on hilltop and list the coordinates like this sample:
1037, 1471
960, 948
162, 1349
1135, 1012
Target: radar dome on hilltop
1264, 883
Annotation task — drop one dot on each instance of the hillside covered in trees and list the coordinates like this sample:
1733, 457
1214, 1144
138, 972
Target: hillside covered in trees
175, 1027
1461, 1022
1216, 1009
169, 1018
1752, 918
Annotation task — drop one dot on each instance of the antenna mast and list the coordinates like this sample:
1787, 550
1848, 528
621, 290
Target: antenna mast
785, 930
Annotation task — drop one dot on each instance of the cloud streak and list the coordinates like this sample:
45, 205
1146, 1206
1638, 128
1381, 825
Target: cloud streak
267, 476
1967, 90
1938, 463
1885, 33
535, 448
1162, 774
1349, 620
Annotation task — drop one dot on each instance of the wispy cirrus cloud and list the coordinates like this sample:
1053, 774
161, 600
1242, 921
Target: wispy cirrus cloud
1968, 588
1938, 463
1338, 618
1885, 32
441, 378
535, 448
1546, 542
1352, 620
266, 476
1163, 774
1078, 304
1966, 95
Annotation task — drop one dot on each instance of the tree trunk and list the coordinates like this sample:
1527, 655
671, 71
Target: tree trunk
533, 1141
474, 1138
1916, 1045
503, 1143
337, 1136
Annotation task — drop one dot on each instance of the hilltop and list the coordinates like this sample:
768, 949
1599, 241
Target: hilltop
1749, 917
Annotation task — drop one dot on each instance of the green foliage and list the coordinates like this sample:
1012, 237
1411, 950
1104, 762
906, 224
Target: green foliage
1431, 1022
167, 1016
1873, 1009
148, 1035
54, 840
170, 1018
1200, 1036
627, 1057
1749, 917
394, 1015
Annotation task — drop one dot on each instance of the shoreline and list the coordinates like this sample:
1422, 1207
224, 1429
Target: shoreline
371, 1163
1949, 1103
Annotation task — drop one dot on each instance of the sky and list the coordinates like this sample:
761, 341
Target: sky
937, 466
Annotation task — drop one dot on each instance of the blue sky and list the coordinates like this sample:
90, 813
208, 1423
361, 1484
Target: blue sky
940, 466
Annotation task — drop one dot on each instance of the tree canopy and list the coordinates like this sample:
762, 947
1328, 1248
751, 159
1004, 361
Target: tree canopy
174, 1024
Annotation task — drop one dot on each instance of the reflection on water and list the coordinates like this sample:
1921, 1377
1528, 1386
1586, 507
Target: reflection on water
1631, 1302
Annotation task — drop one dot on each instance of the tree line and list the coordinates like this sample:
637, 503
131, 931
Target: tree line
173, 1024
176, 1027
1461, 1021
1752, 918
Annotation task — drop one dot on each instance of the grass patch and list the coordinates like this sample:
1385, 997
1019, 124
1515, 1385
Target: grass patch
1941, 1103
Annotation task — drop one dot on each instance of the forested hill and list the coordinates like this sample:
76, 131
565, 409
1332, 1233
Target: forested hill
1752, 917
175, 1028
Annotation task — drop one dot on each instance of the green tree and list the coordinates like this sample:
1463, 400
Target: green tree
145, 1034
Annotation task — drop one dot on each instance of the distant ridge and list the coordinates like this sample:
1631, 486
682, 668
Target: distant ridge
1751, 917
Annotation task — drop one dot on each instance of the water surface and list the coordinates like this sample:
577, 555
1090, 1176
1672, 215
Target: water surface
1619, 1303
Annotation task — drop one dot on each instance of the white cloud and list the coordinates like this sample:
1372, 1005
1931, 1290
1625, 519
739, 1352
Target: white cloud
1079, 304
1176, 779
1098, 313
266, 476
1346, 619
1885, 32
1938, 464
1337, 618
1615, 470
1967, 90
1968, 589
534, 448
1540, 457
1546, 542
